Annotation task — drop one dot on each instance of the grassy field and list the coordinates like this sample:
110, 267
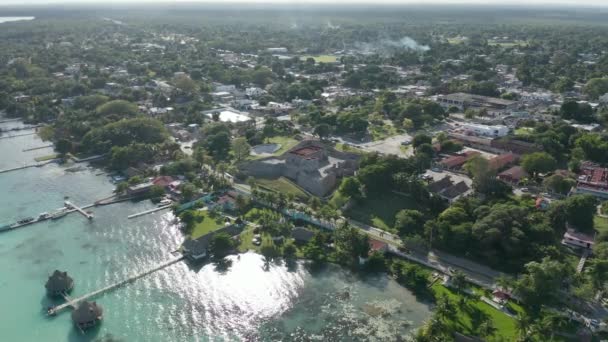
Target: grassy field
322, 58
286, 144
205, 223
283, 185
600, 224
523, 131
380, 211
469, 314
456, 40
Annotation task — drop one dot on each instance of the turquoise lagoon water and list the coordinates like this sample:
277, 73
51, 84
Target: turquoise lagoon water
244, 303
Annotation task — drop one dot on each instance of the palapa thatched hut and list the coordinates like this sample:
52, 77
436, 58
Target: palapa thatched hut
59, 283
87, 315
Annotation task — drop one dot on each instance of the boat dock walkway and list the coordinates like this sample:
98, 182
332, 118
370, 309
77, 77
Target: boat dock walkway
37, 148
70, 205
150, 211
10, 120
17, 135
26, 166
74, 302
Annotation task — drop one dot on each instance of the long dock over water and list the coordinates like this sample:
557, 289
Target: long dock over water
17, 135
149, 211
26, 166
74, 302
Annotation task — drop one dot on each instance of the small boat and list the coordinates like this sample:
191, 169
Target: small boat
25, 220
44, 216
164, 202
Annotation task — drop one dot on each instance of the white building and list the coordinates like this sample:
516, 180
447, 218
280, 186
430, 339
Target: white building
229, 88
486, 130
277, 50
254, 92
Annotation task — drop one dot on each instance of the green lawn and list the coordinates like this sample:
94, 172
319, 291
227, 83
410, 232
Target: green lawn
283, 185
246, 243
600, 224
205, 223
286, 144
524, 131
380, 211
322, 58
469, 313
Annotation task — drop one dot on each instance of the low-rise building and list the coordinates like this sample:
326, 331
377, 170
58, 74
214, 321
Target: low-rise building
485, 130
457, 161
514, 175
463, 101
311, 164
593, 180
574, 238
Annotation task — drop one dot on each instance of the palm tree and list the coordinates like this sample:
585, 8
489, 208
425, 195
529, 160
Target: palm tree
445, 308
523, 324
459, 280
486, 328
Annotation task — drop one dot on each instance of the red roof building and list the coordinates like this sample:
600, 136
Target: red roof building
379, 246
501, 161
457, 161
163, 181
513, 175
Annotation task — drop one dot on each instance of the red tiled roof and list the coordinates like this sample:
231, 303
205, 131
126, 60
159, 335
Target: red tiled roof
514, 173
459, 159
306, 151
502, 160
163, 181
376, 245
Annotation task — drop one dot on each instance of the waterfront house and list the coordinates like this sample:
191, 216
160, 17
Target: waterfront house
87, 315
574, 238
139, 189
197, 249
59, 283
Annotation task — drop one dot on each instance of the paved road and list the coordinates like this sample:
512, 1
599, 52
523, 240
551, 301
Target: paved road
440, 261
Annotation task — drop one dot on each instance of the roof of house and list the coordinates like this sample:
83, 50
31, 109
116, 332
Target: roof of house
459, 159
455, 190
302, 234
516, 172
59, 282
503, 160
441, 184
306, 151
576, 235
87, 312
375, 245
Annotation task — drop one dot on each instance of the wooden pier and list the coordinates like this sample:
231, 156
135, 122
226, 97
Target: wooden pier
37, 148
71, 208
73, 303
150, 211
25, 166
17, 135
70, 205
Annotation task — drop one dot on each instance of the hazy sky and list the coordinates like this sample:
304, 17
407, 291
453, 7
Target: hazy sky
603, 3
